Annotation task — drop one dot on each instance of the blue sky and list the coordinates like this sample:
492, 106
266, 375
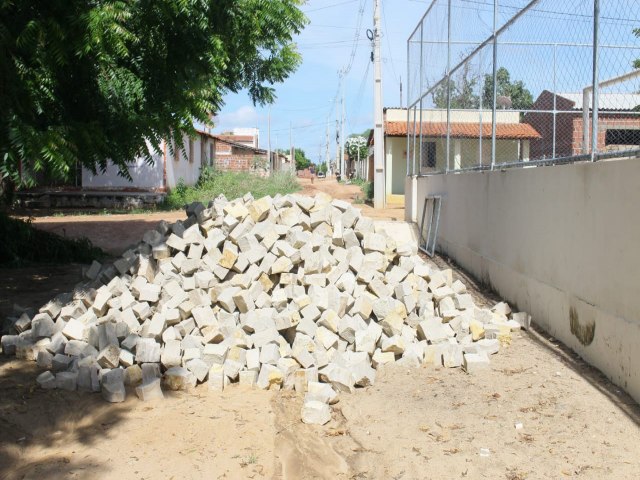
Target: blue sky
305, 99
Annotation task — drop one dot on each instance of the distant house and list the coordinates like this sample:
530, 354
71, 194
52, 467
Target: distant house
618, 123
466, 130
237, 151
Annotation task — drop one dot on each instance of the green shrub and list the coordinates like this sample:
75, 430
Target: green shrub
22, 244
365, 186
232, 184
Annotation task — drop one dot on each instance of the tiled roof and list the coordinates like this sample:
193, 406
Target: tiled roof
504, 131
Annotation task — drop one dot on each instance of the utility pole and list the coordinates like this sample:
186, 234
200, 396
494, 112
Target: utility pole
343, 167
269, 138
400, 91
292, 153
337, 159
326, 153
378, 135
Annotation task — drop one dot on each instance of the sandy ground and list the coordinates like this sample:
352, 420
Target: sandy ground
412, 424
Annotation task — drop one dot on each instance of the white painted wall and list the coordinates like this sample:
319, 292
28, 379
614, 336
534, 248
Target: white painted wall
150, 177
144, 176
553, 240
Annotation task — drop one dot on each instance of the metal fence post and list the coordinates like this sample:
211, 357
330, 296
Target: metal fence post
446, 168
555, 108
421, 90
495, 84
408, 102
596, 87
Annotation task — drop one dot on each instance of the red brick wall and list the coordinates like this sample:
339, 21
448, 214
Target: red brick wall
543, 123
242, 160
606, 121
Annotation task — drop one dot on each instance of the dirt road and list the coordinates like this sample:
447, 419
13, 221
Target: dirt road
412, 424
115, 233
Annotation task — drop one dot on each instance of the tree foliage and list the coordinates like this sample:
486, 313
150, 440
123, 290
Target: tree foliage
355, 144
516, 92
464, 86
463, 95
302, 161
90, 81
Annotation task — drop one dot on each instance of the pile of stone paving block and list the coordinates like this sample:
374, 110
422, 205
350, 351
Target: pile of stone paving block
288, 292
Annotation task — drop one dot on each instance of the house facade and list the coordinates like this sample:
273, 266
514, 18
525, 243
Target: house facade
470, 135
618, 124
236, 152
170, 166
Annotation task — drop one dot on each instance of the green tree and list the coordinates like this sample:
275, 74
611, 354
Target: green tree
302, 161
463, 86
85, 81
355, 144
518, 94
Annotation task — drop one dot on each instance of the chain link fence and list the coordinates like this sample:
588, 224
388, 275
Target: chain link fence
496, 84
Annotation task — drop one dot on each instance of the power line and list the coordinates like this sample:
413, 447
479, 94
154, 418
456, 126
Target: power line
329, 6
356, 39
393, 67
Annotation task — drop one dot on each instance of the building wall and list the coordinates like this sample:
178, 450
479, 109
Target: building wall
543, 124
396, 164
144, 176
606, 121
186, 165
243, 160
182, 165
549, 241
506, 151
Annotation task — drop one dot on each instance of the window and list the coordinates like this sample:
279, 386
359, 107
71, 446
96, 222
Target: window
428, 159
622, 137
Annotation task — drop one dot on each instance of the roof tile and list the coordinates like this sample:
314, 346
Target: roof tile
504, 131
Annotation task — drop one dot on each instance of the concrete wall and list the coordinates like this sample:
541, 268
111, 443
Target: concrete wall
559, 242
182, 165
145, 176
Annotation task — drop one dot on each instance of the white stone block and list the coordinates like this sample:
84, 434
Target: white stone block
199, 368
67, 381
178, 378
150, 390
320, 392
248, 378
270, 378
46, 380
476, 362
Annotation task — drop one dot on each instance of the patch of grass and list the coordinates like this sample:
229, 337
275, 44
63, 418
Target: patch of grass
233, 185
21, 244
250, 460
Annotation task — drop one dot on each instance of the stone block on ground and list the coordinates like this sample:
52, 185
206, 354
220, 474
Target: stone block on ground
476, 362
46, 380
315, 412
150, 390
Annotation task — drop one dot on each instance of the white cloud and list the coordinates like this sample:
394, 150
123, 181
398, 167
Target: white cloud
245, 116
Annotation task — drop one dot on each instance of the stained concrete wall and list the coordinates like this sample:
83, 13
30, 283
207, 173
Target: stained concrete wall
182, 165
560, 242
